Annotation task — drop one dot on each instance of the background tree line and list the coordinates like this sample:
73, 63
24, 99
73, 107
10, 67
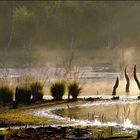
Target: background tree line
26, 26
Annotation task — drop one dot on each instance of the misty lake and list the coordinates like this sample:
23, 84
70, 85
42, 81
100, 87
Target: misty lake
123, 113
104, 113
94, 80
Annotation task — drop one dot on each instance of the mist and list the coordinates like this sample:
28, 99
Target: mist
41, 33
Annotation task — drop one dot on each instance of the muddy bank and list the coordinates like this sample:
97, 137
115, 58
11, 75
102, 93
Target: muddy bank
61, 133
50, 133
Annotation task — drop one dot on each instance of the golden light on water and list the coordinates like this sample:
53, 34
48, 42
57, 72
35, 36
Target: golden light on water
104, 87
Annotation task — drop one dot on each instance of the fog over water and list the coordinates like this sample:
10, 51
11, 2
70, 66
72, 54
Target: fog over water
94, 80
89, 41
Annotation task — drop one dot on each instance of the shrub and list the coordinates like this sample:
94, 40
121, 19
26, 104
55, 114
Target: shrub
57, 90
6, 94
23, 94
37, 91
74, 90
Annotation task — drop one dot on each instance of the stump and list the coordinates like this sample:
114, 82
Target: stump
135, 77
127, 83
115, 87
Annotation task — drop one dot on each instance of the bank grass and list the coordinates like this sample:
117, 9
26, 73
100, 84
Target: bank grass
105, 132
57, 90
21, 117
37, 91
74, 89
25, 115
6, 94
23, 94
4, 132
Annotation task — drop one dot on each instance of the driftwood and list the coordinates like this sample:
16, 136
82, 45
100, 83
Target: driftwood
115, 86
127, 83
135, 77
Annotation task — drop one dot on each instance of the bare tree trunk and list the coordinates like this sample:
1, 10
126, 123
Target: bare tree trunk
135, 77
115, 86
127, 83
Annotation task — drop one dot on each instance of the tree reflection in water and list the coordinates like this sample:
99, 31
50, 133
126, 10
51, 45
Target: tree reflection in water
111, 113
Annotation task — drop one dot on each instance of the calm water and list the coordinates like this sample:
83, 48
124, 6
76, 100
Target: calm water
104, 112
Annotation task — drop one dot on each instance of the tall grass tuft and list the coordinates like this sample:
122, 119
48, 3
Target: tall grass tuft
23, 94
6, 94
74, 89
57, 90
37, 91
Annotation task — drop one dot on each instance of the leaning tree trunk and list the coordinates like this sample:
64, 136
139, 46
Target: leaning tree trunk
115, 86
127, 83
135, 77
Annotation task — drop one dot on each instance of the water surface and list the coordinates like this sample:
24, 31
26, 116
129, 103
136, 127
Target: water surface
104, 113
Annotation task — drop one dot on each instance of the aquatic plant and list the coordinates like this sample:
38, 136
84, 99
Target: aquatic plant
37, 91
74, 90
57, 90
23, 94
6, 94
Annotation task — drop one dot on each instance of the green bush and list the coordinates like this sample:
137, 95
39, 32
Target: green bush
37, 91
74, 90
6, 94
23, 94
57, 90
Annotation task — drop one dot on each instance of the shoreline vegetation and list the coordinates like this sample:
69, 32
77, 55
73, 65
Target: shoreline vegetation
22, 117
68, 132
63, 48
18, 103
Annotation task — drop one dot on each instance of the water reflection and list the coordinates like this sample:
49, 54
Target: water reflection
112, 113
136, 113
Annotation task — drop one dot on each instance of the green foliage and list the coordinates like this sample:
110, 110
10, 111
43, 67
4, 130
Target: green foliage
90, 21
24, 24
23, 94
37, 91
57, 90
6, 94
93, 25
74, 89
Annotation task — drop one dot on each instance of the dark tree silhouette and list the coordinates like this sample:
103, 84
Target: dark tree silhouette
115, 86
138, 135
127, 83
135, 77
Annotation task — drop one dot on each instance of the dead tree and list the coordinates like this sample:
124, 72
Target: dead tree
115, 86
127, 83
135, 77
138, 134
